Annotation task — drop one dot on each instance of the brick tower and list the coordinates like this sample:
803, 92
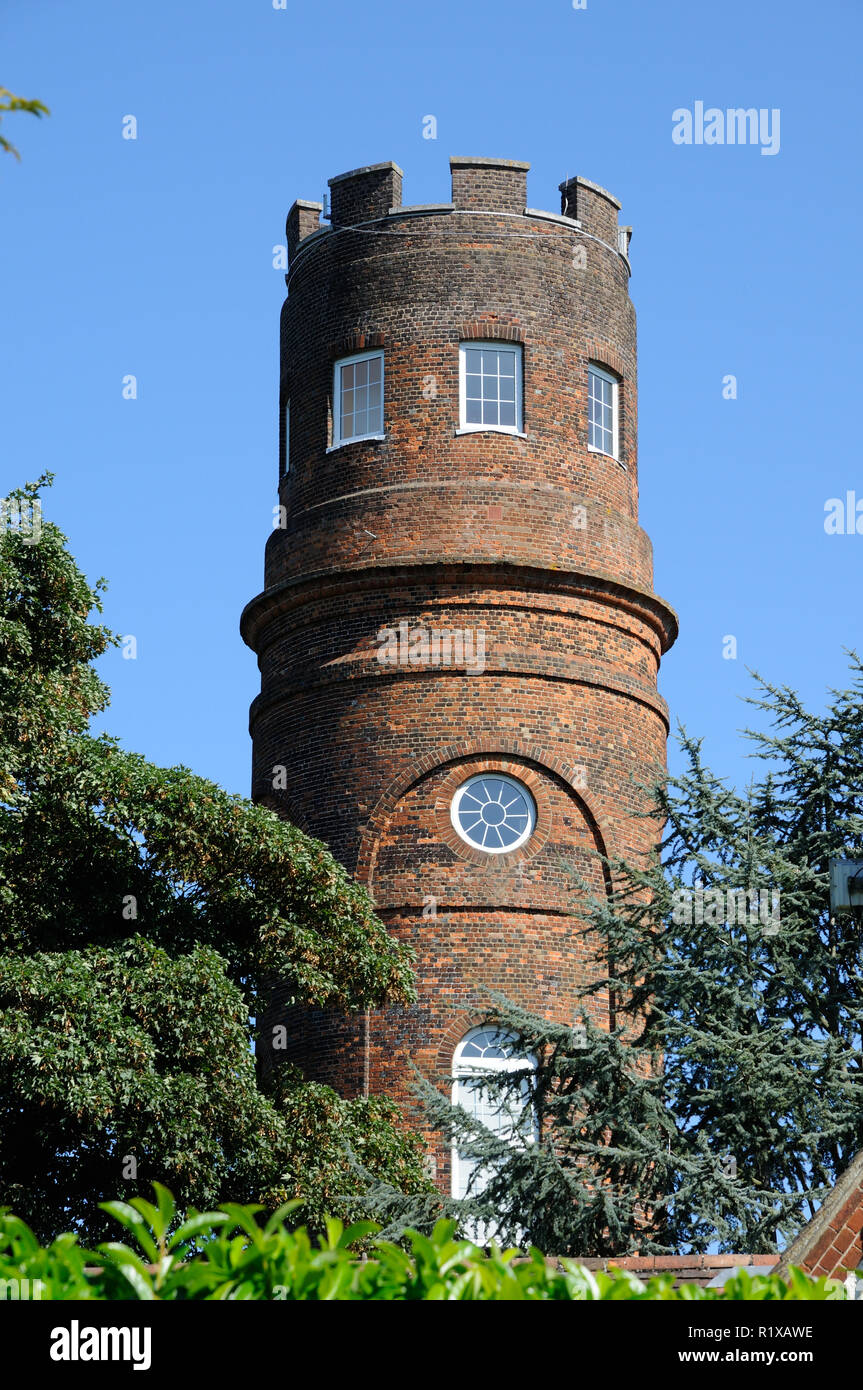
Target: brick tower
458, 636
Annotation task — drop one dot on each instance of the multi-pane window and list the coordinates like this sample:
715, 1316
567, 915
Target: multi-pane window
602, 411
493, 813
480, 1059
490, 387
358, 397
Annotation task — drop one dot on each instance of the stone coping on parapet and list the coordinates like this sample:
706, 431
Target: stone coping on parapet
595, 187
449, 210
430, 209
466, 161
421, 209
555, 217
365, 169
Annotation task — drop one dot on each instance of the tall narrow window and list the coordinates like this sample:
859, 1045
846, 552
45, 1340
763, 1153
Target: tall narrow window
602, 394
358, 397
490, 387
482, 1054
287, 436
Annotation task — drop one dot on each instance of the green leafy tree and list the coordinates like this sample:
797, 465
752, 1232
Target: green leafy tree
141, 908
728, 1097
230, 1254
9, 102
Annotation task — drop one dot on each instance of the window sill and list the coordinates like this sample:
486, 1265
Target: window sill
490, 429
355, 439
592, 449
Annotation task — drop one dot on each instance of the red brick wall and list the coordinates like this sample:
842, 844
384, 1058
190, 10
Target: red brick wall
832, 1242
532, 541
841, 1247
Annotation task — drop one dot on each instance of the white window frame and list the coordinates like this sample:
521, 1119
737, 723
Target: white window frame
340, 362
462, 1070
495, 346
595, 369
509, 781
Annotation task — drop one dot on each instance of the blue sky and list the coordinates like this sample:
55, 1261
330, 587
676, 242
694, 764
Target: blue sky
154, 257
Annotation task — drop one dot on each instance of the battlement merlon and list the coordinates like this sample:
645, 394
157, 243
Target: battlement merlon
479, 185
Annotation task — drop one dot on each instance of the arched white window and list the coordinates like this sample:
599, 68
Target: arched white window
485, 1052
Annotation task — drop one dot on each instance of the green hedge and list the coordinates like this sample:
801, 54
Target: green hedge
229, 1254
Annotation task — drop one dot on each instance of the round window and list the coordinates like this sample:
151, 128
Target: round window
493, 813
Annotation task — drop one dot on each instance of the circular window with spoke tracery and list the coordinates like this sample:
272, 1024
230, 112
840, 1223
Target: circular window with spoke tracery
493, 812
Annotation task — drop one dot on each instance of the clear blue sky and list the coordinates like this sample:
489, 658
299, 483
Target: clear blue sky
154, 257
